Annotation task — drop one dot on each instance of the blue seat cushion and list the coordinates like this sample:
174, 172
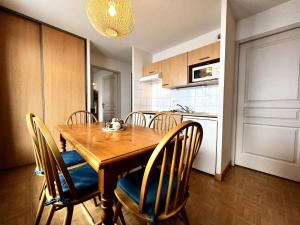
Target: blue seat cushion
85, 180
131, 185
71, 158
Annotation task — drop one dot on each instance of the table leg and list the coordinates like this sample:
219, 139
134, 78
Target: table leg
107, 184
63, 143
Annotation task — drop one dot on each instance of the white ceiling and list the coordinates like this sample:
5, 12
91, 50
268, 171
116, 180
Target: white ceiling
159, 24
246, 8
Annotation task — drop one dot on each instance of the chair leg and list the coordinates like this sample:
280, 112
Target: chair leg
185, 217
40, 208
95, 202
119, 214
69, 214
42, 191
122, 218
50, 215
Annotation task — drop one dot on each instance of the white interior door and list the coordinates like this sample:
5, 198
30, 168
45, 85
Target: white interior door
109, 97
269, 105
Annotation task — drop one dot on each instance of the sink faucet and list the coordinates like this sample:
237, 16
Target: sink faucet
185, 108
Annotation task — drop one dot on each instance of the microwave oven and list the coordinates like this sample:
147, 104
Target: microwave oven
206, 72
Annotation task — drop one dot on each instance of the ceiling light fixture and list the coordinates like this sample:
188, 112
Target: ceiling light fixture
112, 8
111, 18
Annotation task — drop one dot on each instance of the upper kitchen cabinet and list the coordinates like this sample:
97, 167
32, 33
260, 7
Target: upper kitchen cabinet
175, 71
206, 53
153, 68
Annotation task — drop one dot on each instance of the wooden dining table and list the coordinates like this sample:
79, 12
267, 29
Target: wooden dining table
110, 154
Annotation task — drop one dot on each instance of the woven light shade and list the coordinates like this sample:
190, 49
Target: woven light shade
111, 18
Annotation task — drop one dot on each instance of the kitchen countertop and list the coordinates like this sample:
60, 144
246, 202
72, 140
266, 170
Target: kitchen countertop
196, 114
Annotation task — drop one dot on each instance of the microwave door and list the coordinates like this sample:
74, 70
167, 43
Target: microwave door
206, 72
200, 74
196, 75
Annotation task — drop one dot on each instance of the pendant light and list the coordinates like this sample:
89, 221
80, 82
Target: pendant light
111, 18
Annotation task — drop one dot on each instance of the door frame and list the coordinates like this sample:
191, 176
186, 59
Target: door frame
236, 80
118, 88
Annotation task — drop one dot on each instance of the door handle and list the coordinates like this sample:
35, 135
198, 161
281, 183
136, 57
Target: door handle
103, 105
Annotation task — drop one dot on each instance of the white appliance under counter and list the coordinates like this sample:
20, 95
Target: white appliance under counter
206, 158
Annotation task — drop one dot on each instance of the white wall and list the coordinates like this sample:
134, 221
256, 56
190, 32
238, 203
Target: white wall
125, 71
142, 93
226, 87
278, 18
187, 46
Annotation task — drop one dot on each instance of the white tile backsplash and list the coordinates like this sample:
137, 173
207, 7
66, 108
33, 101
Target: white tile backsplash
151, 96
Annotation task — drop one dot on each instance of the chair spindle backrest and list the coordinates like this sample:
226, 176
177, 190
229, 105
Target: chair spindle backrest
80, 117
163, 122
136, 119
37, 155
52, 162
182, 144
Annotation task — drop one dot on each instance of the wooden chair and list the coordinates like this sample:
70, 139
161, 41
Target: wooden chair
136, 119
38, 163
78, 117
153, 194
70, 157
64, 188
81, 116
163, 122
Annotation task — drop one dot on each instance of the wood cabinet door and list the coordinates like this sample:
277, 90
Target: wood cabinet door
20, 87
175, 71
64, 76
153, 68
204, 54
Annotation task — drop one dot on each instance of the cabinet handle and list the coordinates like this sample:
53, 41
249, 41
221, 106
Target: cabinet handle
151, 71
165, 84
207, 57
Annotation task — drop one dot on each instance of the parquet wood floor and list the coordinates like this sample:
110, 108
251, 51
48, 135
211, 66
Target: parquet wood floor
245, 197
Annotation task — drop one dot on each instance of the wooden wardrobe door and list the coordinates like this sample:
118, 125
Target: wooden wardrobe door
20, 87
64, 76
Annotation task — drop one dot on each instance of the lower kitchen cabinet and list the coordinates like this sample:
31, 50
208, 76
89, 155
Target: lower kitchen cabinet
206, 158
